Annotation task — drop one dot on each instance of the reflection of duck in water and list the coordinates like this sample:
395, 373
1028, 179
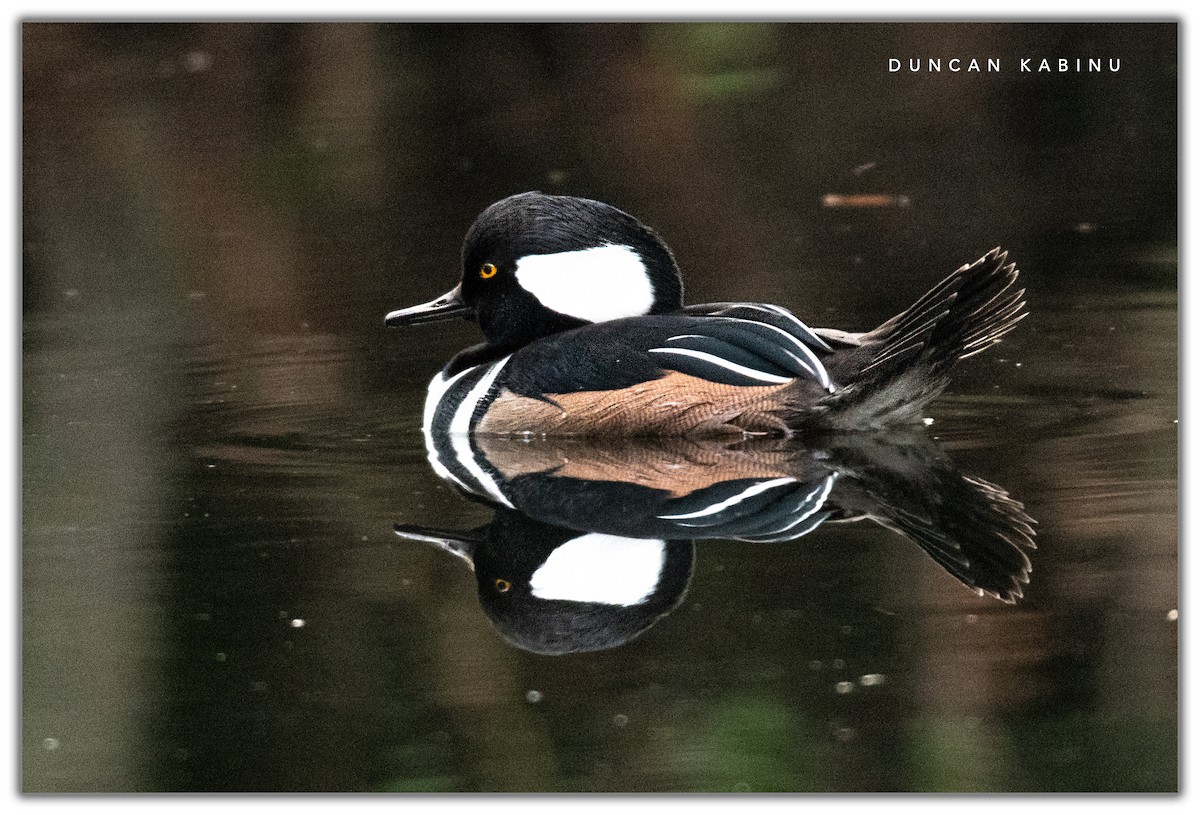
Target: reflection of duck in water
581, 308
591, 543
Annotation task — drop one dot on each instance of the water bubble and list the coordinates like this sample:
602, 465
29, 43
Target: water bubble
867, 680
196, 61
816, 665
838, 664
297, 623
928, 420
845, 734
533, 697
50, 743
844, 687
1173, 614
219, 656
620, 720
741, 786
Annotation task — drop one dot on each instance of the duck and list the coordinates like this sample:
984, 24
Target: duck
585, 334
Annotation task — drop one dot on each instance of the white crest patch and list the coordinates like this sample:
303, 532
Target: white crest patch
597, 284
598, 568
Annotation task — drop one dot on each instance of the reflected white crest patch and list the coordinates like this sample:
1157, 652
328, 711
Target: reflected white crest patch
598, 568
601, 283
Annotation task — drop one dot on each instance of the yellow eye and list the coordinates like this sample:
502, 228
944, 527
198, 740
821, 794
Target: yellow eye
487, 270
501, 584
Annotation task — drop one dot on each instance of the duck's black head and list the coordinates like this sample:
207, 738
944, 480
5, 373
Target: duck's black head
552, 590
536, 264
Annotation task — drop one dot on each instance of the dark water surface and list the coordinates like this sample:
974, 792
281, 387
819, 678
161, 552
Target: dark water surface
219, 433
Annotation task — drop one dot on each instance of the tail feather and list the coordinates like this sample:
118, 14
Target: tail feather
971, 307
972, 528
978, 533
887, 375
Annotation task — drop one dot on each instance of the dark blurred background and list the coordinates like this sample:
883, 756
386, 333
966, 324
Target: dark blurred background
218, 433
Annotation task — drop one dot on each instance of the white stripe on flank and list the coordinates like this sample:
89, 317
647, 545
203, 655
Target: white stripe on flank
824, 492
438, 388
598, 568
811, 363
460, 431
783, 312
749, 492
596, 284
726, 364
816, 367
460, 425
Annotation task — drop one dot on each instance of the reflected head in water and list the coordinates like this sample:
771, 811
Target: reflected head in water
556, 591
586, 335
591, 542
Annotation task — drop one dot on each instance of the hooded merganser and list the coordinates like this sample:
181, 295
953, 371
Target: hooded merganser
559, 571
586, 334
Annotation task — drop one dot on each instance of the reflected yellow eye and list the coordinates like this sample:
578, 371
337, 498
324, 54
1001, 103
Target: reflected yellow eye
501, 584
487, 270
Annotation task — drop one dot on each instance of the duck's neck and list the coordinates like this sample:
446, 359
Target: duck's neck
510, 325
478, 355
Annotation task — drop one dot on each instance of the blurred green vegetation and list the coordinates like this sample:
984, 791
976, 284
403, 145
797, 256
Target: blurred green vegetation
721, 62
756, 744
